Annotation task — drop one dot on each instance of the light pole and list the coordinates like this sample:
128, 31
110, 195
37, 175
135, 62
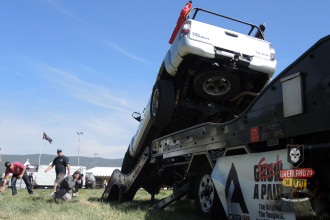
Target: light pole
95, 154
79, 133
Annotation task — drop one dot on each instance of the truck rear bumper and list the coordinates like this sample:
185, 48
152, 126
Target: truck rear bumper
184, 46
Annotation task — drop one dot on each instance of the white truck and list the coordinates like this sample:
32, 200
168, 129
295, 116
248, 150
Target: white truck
46, 180
270, 162
210, 73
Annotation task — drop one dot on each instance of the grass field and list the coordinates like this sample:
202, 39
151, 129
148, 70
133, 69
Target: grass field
88, 206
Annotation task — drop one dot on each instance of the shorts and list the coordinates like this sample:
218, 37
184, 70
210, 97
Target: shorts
59, 177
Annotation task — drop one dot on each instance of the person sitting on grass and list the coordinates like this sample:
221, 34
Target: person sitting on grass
67, 184
19, 171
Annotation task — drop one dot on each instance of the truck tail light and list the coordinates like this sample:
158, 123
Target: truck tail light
272, 52
186, 27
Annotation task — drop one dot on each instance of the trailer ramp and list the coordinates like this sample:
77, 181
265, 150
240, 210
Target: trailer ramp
122, 187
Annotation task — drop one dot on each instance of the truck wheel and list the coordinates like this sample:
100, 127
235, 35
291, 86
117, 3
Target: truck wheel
216, 86
162, 103
206, 198
129, 163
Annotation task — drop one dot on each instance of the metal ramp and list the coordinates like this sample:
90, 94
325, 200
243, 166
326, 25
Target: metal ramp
122, 187
178, 193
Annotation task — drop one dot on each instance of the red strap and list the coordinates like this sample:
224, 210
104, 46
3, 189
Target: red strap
180, 21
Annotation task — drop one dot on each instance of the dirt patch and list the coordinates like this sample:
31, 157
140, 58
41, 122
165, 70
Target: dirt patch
85, 202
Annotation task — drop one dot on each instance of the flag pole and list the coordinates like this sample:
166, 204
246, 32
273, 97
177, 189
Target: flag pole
40, 149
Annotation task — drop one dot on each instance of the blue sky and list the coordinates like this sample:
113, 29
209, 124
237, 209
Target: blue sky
81, 65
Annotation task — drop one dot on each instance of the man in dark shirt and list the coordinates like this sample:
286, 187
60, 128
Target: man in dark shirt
61, 162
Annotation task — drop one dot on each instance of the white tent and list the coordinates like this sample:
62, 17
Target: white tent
102, 171
102, 174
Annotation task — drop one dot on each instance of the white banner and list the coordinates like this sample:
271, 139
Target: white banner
247, 185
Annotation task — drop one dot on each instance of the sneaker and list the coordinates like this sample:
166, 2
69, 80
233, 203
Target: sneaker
31, 193
74, 194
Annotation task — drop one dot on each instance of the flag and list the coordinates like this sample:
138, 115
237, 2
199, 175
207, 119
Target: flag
44, 136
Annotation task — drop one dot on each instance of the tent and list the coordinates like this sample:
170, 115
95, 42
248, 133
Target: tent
102, 174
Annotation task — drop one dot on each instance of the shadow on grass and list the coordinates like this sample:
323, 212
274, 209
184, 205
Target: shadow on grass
94, 199
181, 209
38, 198
60, 201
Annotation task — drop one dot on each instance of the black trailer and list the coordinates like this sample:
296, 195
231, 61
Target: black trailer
270, 162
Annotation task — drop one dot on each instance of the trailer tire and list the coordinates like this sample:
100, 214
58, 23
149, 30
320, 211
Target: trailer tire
206, 201
162, 102
216, 85
129, 163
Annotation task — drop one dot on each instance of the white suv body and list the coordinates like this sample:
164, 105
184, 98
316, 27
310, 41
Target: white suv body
209, 74
209, 41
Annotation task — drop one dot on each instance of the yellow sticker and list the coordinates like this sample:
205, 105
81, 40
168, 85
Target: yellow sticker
295, 182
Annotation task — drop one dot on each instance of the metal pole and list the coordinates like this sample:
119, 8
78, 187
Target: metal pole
40, 151
79, 133
95, 154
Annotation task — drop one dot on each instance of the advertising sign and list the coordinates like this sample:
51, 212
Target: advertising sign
295, 154
248, 187
295, 182
296, 173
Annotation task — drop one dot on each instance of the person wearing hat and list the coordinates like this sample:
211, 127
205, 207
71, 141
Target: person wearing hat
61, 163
19, 171
65, 185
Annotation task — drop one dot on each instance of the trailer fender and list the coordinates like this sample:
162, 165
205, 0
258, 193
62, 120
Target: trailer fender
197, 161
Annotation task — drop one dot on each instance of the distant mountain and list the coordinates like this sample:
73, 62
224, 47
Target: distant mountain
45, 159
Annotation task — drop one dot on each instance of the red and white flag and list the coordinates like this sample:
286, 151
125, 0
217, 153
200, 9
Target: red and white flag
44, 136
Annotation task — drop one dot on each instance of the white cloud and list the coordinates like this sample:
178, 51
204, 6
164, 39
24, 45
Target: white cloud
126, 53
88, 92
56, 5
102, 135
106, 132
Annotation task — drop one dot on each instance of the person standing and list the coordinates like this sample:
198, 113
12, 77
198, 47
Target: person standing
19, 171
61, 163
65, 185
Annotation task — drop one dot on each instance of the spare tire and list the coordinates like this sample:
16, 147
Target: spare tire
216, 85
162, 103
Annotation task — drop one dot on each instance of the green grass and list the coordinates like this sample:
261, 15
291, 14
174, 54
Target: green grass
88, 206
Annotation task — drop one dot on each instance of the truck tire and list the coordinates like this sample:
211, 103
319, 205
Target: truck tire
207, 202
162, 103
129, 163
216, 85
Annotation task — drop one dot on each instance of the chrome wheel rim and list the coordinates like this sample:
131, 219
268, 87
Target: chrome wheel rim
206, 193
